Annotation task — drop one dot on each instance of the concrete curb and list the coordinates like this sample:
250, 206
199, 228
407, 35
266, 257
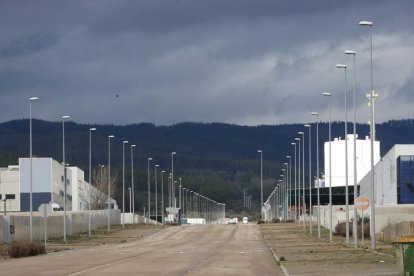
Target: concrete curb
277, 259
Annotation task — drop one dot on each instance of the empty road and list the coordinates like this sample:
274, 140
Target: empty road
187, 250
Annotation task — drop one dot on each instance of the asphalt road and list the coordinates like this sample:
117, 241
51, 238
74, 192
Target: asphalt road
186, 250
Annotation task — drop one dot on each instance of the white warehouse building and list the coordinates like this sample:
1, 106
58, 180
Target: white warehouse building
47, 185
363, 150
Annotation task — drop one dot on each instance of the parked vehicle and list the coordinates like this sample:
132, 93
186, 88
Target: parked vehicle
245, 220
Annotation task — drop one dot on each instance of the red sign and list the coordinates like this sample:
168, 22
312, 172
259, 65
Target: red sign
362, 203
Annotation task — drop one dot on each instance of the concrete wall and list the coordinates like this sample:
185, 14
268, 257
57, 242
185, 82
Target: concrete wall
385, 216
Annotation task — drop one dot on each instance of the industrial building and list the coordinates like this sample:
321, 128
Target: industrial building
363, 150
47, 186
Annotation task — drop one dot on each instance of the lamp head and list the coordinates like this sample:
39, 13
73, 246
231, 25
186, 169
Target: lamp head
301, 133
341, 66
92, 129
307, 125
65, 117
327, 94
33, 99
349, 52
366, 23
314, 113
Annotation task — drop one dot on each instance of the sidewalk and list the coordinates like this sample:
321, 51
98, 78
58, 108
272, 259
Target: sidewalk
300, 254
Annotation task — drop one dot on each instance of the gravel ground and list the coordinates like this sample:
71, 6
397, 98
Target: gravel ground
301, 254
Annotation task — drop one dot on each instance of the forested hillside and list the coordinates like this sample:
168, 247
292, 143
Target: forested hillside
216, 159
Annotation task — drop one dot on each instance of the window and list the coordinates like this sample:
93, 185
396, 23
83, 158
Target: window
405, 179
62, 178
10, 196
0, 196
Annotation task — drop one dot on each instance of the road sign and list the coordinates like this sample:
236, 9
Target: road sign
362, 203
45, 210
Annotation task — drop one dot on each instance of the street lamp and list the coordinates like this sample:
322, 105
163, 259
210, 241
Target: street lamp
317, 172
296, 209
156, 193
162, 197
32, 99
90, 177
261, 181
109, 181
299, 177
123, 183
149, 187
132, 183
355, 234
372, 130
328, 94
343, 66
179, 195
64, 173
310, 180
290, 184
172, 179
303, 176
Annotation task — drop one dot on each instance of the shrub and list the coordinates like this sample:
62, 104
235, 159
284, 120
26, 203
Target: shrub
340, 229
260, 221
24, 249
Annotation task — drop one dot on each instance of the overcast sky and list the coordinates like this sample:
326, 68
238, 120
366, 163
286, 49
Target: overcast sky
247, 62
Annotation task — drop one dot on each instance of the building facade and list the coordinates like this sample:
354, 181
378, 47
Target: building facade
363, 150
47, 186
394, 177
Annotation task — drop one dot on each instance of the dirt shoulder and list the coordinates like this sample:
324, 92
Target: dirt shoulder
301, 254
118, 234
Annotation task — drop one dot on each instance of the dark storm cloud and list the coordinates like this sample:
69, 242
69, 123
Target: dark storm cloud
248, 62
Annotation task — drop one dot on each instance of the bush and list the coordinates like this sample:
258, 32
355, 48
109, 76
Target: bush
340, 229
24, 249
260, 221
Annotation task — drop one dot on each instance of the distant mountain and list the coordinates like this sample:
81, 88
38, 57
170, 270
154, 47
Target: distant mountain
216, 159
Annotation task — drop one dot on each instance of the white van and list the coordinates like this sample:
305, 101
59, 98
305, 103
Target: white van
245, 220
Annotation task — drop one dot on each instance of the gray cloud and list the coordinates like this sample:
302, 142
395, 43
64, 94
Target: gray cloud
245, 62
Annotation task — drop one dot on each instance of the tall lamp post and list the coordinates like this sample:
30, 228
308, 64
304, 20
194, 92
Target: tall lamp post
162, 197
328, 94
156, 192
149, 187
132, 183
123, 183
372, 130
179, 195
64, 175
290, 185
310, 180
355, 234
261, 181
90, 178
343, 66
299, 181
303, 176
32, 99
317, 172
296, 209
109, 182
172, 180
